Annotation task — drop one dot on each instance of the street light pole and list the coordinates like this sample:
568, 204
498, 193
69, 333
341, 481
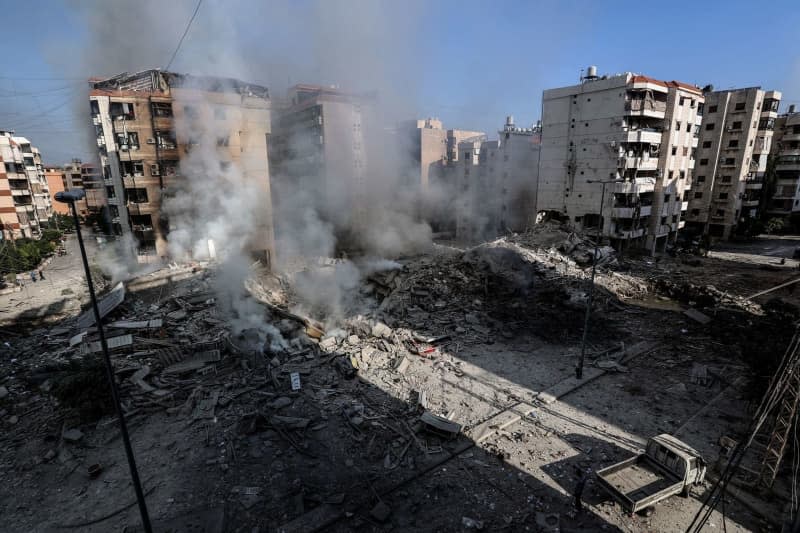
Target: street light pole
70, 197
579, 366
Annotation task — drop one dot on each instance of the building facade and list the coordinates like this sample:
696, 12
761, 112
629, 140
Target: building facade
627, 127
784, 200
735, 141
496, 183
141, 149
24, 197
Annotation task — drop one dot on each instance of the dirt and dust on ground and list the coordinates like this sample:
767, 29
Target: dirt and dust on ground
428, 393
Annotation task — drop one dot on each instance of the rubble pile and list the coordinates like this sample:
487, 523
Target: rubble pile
702, 296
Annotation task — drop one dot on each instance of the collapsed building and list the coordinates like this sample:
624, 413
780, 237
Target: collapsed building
638, 130
148, 123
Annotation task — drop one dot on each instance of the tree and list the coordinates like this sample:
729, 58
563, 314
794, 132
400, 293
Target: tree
774, 225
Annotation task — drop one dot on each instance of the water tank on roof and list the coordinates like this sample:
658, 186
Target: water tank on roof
791, 108
510, 120
591, 73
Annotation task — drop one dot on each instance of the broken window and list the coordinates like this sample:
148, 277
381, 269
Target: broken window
162, 109
165, 140
701, 179
129, 141
733, 143
136, 196
169, 168
698, 195
739, 106
712, 109
730, 161
723, 196
737, 125
709, 126
131, 168
695, 212
703, 162
122, 110
767, 124
706, 144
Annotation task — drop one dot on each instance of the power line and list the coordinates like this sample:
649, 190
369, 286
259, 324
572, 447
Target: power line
175, 53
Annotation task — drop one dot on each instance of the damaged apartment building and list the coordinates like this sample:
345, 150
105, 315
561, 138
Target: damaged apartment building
735, 142
626, 127
495, 183
433, 155
24, 196
148, 122
318, 150
785, 198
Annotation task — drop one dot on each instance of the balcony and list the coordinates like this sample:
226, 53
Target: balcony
788, 137
750, 203
640, 163
639, 186
754, 185
631, 212
646, 108
650, 136
629, 234
788, 163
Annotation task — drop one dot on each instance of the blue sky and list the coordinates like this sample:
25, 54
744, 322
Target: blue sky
468, 62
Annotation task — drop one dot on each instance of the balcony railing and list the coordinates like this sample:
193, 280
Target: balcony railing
640, 106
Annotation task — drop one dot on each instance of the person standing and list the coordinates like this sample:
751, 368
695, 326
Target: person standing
33, 276
41, 274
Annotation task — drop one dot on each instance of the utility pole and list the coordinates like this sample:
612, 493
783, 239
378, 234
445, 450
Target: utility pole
579, 366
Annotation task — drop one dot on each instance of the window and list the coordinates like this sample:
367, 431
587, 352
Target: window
674, 218
663, 220
723, 196
720, 212
703, 162
710, 126
122, 110
466, 155
136, 196
132, 168
733, 143
674, 150
128, 142
695, 212
726, 179
682, 100
95, 107
712, 109
169, 168
706, 144
677, 125
766, 124
682, 175
685, 150
223, 141
701, 179
666, 198
165, 140
162, 109
688, 127
698, 195
730, 161
739, 106
737, 125
219, 113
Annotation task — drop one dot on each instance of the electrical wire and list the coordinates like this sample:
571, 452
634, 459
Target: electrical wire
189, 25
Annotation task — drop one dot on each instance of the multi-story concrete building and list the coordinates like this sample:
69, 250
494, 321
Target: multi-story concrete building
55, 184
628, 127
735, 141
24, 198
785, 194
495, 183
67, 178
318, 148
141, 150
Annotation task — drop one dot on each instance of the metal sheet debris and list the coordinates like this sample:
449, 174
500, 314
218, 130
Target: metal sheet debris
106, 304
113, 343
138, 324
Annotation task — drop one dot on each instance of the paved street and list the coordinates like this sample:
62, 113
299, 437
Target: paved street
63, 290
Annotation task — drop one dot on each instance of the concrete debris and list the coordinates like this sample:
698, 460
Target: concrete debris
105, 305
679, 388
382, 331
697, 316
3, 392
471, 523
381, 512
180, 314
280, 403
440, 425
72, 435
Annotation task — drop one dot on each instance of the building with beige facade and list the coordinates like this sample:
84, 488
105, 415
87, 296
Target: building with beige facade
24, 197
495, 183
733, 150
625, 127
784, 199
141, 148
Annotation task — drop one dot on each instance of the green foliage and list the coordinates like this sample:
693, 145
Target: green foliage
23, 254
774, 225
52, 235
59, 222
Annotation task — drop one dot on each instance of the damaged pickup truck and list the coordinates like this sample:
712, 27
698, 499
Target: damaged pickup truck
667, 467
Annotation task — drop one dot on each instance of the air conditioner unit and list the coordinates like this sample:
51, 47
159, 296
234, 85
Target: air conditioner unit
151, 141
